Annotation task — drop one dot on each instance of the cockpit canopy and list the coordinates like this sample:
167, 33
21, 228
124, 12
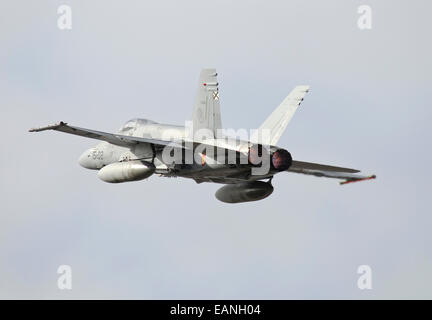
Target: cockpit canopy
133, 124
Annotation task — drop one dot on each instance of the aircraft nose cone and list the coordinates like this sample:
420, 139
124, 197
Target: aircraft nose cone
85, 160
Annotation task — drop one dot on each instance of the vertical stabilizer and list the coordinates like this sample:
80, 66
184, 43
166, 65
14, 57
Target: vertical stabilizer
206, 113
277, 122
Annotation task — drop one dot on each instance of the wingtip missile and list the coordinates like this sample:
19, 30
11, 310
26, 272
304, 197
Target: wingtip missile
357, 180
50, 127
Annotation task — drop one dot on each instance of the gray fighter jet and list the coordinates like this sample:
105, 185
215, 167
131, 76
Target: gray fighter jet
201, 150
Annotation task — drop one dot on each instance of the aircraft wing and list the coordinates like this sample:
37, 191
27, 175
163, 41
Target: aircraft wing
116, 139
127, 141
321, 170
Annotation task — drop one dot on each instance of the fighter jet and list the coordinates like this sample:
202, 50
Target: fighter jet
202, 151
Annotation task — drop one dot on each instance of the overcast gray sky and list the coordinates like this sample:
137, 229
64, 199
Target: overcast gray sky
368, 108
